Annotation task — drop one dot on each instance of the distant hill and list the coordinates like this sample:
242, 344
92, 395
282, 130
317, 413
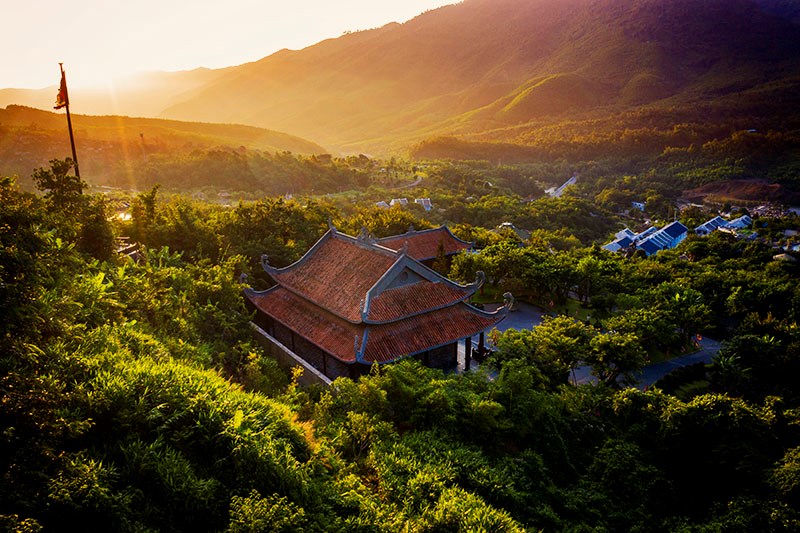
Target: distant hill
542, 74
498, 68
108, 145
143, 95
742, 191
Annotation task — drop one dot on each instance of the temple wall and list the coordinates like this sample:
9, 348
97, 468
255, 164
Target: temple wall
336, 368
283, 335
311, 354
443, 358
287, 359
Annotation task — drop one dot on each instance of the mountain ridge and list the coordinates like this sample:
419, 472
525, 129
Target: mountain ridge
30, 137
483, 66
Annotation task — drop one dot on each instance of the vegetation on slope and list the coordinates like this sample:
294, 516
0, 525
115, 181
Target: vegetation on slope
133, 398
112, 148
503, 70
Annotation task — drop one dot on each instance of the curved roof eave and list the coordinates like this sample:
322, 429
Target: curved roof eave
406, 261
502, 311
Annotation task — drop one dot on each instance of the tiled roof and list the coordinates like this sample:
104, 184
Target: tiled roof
384, 342
387, 342
336, 274
424, 244
741, 222
393, 304
712, 224
326, 330
624, 242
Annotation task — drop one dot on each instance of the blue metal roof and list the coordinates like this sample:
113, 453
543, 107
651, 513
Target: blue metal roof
649, 247
676, 229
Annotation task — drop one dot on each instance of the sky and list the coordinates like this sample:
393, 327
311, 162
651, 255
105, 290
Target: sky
99, 40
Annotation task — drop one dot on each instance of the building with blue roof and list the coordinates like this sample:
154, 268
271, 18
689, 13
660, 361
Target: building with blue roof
650, 241
718, 222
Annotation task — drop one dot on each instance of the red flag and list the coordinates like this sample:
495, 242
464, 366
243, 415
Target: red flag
62, 100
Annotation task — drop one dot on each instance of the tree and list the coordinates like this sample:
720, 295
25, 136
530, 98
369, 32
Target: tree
143, 214
684, 307
615, 354
61, 188
555, 347
652, 327
95, 237
441, 264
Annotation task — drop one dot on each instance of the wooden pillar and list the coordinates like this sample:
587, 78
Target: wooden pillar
325, 364
481, 345
291, 333
467, 353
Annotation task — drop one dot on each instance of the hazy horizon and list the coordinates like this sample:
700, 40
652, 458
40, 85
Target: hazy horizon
99, 41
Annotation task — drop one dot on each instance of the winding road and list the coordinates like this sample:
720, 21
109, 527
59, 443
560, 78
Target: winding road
525, 316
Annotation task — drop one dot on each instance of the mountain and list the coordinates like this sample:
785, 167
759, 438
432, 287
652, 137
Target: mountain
485, 65
142, 95
106, 144
511, 71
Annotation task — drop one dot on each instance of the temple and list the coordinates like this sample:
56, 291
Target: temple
351, 302
425, 245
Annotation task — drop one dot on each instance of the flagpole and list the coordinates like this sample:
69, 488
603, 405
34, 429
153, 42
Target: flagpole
69, 120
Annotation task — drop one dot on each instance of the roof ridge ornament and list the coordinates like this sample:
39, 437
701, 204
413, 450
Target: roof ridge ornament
243, 278
480, 279
265, 262
331, 227
411, 229
404, 249
508, 301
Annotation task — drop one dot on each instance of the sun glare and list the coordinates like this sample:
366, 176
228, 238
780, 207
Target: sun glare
102, 40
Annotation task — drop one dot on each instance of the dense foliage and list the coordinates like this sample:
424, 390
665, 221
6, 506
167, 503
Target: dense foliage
133, 398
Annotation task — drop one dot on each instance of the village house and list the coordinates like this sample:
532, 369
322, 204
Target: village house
424, 202
719, 223
711, 225
351, 302
650, 241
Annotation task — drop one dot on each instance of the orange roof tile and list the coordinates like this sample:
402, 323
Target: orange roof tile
326, 330
336, 274
384, 342
387, 342
399, 302
424, 244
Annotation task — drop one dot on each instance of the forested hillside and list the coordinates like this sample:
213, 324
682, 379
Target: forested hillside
133, 397
536, 73
122, 151
504, 69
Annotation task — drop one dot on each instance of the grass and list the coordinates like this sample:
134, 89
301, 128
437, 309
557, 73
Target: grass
574, 309
488, 295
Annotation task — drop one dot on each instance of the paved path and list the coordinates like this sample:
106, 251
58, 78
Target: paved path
409, 185
522, 316
526, 316
652, 373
